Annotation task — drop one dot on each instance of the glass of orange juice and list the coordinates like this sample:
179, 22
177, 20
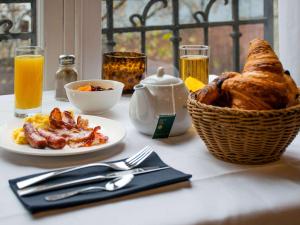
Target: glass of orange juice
28, 83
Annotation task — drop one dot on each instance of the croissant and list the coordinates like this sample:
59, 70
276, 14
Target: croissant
262, 85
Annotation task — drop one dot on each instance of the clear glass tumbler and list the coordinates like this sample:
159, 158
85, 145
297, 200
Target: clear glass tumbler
28, 80
194, 63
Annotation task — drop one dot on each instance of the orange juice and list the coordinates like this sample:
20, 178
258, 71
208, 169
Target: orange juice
28, 81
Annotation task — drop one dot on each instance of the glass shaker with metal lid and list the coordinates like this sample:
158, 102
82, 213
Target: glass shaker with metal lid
66, 73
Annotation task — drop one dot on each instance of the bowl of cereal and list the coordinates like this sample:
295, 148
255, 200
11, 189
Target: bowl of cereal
94, 96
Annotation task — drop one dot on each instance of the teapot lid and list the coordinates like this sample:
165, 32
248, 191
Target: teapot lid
160, 78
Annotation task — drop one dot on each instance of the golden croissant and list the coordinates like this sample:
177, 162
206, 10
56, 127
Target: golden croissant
262, 85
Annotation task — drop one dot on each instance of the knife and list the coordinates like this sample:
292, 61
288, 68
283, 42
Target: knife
48, 187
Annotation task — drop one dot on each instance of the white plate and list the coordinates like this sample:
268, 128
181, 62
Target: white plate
111, 128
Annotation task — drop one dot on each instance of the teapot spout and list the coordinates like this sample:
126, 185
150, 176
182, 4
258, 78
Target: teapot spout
143, 96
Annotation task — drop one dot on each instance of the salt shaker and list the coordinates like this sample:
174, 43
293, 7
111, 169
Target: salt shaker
66, 73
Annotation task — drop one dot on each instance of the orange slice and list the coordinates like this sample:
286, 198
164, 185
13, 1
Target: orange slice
193, 84
85, 88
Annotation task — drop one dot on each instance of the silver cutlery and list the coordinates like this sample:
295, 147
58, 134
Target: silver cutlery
127, 164
112, 185
111, 175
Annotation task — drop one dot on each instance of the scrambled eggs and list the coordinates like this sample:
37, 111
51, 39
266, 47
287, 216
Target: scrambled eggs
38, 121
19, 136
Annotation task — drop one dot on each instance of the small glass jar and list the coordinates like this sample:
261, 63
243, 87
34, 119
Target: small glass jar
66, 73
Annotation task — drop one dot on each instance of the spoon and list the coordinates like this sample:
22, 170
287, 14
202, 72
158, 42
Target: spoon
112, 185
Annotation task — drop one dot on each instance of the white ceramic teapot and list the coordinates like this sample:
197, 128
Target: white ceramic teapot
159, 94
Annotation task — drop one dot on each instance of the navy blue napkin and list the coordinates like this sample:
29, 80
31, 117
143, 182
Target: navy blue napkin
37, 203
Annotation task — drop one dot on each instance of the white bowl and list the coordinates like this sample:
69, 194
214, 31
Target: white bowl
94, 102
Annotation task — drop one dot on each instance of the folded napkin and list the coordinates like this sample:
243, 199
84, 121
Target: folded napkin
37, 203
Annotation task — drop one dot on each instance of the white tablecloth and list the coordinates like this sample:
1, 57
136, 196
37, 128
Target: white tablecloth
219, 192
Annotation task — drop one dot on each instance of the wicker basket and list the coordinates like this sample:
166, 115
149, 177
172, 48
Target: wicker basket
244, 136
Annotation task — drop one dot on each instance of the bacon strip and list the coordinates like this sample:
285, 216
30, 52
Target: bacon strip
55, 118
68, 120
81, 136
60, 120
33, 137
64, 130
74, 135
53, 140
94, 138
82, 123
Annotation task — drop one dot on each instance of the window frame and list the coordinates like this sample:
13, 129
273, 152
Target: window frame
202, 21
75, 29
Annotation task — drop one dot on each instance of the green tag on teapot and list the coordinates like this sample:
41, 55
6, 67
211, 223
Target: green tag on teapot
164, 126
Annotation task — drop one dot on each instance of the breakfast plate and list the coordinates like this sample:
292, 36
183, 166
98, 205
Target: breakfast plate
111, 128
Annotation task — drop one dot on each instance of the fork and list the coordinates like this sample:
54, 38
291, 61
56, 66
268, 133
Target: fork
126, 164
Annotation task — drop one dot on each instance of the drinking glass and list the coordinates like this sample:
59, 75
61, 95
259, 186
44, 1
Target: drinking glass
194, 62
28, 82
126, 67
